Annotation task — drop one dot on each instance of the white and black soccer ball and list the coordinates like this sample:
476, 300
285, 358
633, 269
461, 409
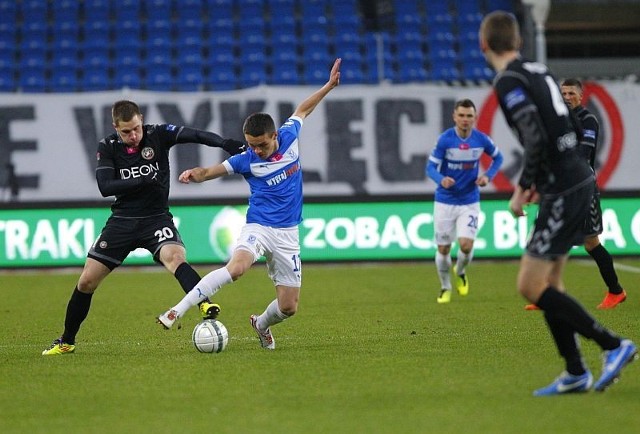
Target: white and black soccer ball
210, 336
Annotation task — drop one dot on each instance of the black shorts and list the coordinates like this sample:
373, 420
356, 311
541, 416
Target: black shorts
120, 236
593, 223
560, 222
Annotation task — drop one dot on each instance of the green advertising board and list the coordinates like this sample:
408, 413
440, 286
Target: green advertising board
329, 232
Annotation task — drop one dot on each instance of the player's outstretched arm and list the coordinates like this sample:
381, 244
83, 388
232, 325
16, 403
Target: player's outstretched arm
306, 107
201, 174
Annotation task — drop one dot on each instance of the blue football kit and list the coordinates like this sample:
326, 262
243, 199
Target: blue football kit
275, 184
459, 159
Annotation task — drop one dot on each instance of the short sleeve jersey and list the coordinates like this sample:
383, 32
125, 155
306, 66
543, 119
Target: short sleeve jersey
151, 157
459, 159
275, 183
527, 91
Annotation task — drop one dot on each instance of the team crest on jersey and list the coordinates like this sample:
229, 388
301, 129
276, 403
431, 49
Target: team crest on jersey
103, 244
148, 153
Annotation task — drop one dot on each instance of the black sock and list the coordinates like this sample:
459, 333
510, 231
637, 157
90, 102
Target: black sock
607, 271
566, 341
187, 277
567, 309
77, 311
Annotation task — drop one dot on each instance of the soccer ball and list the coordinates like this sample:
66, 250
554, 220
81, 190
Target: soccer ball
210, 336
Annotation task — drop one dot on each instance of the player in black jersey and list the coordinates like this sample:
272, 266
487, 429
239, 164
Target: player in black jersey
133, 166
572, 92
555, 174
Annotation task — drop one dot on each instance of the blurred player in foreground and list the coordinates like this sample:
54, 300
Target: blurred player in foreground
454, 165
272, 168
560, 178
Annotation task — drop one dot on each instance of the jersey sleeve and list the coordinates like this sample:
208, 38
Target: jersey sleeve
435, 162
496, 156
106, 177
522, 115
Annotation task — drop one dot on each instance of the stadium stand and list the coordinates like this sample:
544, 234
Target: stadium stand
190, 45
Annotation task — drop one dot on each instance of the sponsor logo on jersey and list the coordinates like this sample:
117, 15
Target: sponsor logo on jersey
590, 134
283, 175
148, 153
171, 127
138, 171
515, 97
463, 146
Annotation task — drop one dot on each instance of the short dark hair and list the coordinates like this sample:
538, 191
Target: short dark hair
466, 102
572, 82
258, 124
124, 110
501, 31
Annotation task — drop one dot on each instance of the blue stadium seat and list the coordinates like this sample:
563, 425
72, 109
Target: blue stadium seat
477, 70
7, 80
285, 53
35, 10
467, 6
65, 58
159, 79
221, 54
189, 58
94, 79
127, 78
221, 77
189, 78
250, 77
190, 10
494, 5
7, 57
158, 10
158, 56
351, 73
66, 10
97, 11
33, 80
279, 9
412, 71
316, 53
33, 57
316, 72
63, 80
284, 73
96, 57
444, 70
159, 30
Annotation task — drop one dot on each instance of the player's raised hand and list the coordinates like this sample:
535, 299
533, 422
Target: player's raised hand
334, 76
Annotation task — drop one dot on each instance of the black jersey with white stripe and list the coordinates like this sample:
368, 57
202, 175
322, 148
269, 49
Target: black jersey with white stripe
533, 106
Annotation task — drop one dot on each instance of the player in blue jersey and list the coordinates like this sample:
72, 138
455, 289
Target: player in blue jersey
272, 168
454, 164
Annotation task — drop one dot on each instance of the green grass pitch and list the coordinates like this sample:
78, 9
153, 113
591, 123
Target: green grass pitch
370, 351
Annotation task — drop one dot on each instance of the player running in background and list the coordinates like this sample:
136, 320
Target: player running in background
271, 167
133, 166
572, 93
454, 165
555, 173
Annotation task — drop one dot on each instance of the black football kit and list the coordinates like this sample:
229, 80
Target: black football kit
533, 106
139, 178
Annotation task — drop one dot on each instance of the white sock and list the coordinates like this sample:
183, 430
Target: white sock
443, 265
462, 260
208, 285
272, 315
